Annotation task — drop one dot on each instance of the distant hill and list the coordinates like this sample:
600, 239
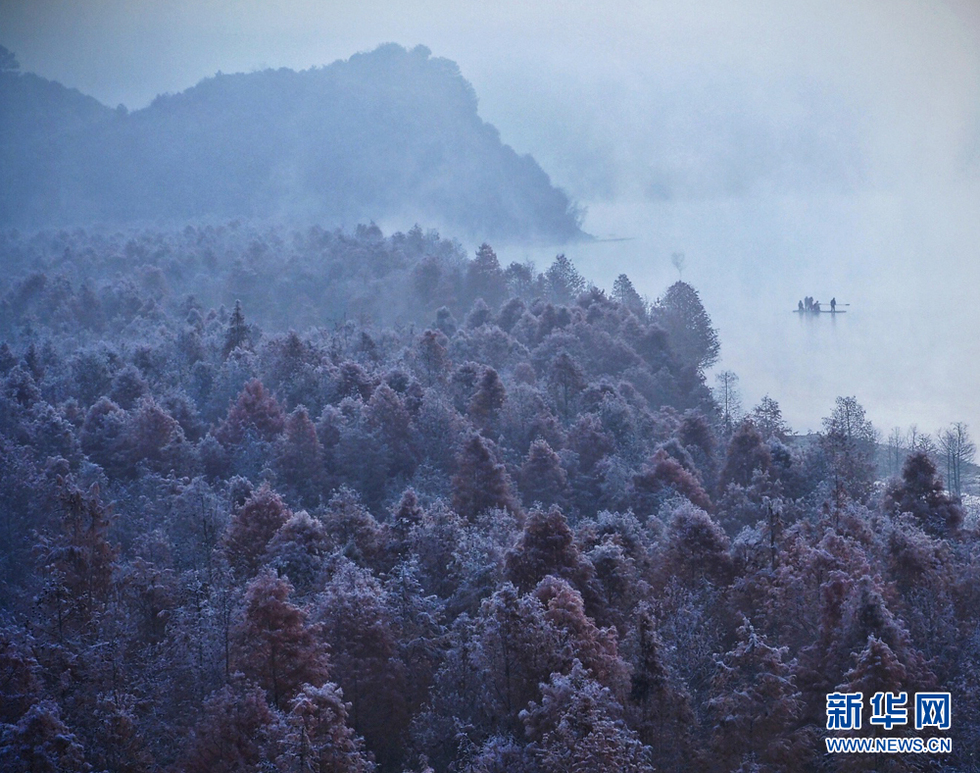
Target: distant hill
391, 133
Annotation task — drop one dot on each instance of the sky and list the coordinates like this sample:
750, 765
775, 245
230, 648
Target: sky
790, 147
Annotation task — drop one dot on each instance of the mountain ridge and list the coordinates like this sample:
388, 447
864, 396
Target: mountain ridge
391, 133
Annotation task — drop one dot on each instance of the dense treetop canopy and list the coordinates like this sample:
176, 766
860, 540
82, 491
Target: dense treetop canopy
309, 499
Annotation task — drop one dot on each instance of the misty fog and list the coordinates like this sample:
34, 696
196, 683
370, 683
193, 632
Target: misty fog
907, 347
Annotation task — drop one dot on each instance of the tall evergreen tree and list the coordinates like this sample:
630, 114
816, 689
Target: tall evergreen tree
238, 333
565, 283
689, 330
480, 483
275, 646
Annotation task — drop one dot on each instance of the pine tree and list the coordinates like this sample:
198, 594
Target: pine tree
689, 330
352, 529
547, 546
319, 739
729, 401
387, 415
578, 725
850, 442
78, 564
252, 526
238, 733
480, 483
624, 293
747, 455
274, 646
488, 399
756, 708
364, 655
514, 649
431, 356
543, 479
565, 283
406, 515
659, 707
768, 419
238, 333
878, 669
299, 457
298, 551
254, 409
485, 279
921, 493
578, 636
697, 547
479, 315
661, 479
567, 380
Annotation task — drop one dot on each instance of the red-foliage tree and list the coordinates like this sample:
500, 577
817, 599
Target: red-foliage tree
252, 527
319, 738
238, 733
274, 646
254, 409
480, 483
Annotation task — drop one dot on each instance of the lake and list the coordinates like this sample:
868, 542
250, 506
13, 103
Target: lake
904, 267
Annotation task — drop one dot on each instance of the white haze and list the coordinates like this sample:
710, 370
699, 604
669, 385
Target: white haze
787, 148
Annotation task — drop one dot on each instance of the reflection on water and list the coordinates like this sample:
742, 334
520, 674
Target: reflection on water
909, 345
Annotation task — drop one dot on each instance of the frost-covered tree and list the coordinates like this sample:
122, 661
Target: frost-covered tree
251, 528
747, 455
564, 281
255, 409
542, 477
485, 278
238, 333
849, 441
40, 742
624, 293
547, 546
319, 738
689, 330
956, 450
729, 401
362, 637
756, 708
77, 564
579, 725
768, 419
921, 493
274, 645
238, 733
480, 483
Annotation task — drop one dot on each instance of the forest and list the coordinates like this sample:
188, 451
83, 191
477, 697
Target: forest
388, 134
312, 500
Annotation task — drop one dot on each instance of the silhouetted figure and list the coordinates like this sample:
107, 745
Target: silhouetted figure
833, 305
816, 307
800, 307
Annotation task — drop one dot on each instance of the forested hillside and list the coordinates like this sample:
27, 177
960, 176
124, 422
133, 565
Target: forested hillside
386, 134
338, 501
